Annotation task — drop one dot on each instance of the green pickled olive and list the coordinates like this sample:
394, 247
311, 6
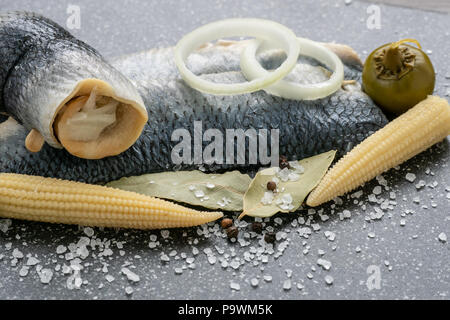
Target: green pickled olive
397, 76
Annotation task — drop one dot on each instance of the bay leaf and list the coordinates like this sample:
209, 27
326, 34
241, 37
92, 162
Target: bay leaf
290, 194
213, 191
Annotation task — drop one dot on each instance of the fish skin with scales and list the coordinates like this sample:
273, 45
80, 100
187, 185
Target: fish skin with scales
306, 128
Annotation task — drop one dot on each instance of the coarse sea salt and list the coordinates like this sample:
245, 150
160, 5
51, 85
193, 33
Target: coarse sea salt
442, 237
411, 177
235, 286
329, 280
267, 198
130, 275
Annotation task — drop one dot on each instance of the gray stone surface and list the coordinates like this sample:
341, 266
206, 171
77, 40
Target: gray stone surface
405, 245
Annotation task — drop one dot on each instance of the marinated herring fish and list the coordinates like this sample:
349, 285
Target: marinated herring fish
63, 92
306, 128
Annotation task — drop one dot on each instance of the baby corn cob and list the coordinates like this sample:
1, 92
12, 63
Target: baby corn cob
58, 201
413, 132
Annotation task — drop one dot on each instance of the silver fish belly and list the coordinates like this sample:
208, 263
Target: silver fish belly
305, 128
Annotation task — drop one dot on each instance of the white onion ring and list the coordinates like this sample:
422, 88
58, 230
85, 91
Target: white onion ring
270, 31
252, 69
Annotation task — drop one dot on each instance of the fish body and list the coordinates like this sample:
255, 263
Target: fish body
339, 121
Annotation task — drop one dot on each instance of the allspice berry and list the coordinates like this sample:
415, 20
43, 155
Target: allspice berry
272, 186
232, 232
226, 223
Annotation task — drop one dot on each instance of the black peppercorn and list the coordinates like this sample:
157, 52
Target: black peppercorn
269, 237
256, 227
232, 232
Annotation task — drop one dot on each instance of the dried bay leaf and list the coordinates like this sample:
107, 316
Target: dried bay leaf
290, 194
214, 191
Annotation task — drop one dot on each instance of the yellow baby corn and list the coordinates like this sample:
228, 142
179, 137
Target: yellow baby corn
59, 201
406, 136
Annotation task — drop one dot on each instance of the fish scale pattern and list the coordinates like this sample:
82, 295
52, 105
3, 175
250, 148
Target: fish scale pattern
306, 128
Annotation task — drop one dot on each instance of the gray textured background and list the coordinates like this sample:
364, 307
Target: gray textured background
414, 264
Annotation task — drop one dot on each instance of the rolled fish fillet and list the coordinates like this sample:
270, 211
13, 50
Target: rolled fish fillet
63, 91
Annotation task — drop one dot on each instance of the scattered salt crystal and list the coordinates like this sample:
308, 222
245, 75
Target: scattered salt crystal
410, 177
377, 190
46, 276
178, 270
442, 237
152, 245
325, 264
286, 202
165, 233
288, 273
330, 235
254, 282
267, 278
284, 174
165, 257
235, 286
212, 259
357, 194
267, 198
32, 261
130, 275
329, 280
420, 184
371, 234
88, 231
190, 260
358, 249
235, 264
199, 194
17, 254
210, 185
109, 278
61, 249
300, 286
297, 166
129, 290
287, 285
24, 271
173, 253
224, 202
5, 224
191, 188
293, 176
402, 222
